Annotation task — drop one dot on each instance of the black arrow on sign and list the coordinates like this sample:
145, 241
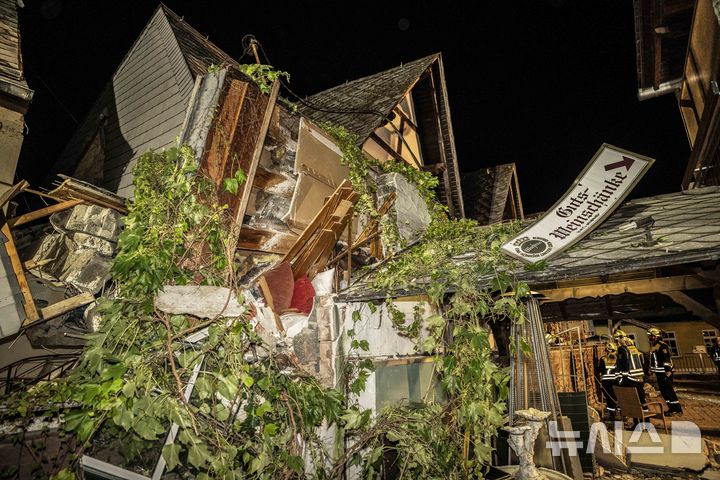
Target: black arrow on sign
625, 162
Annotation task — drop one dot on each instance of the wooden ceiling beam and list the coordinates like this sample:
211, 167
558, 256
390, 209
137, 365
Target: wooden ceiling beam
649, 285
697, 308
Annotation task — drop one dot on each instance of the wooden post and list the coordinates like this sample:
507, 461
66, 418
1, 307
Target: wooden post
66, 305
348, 272
43, 212
31, 312
254, 161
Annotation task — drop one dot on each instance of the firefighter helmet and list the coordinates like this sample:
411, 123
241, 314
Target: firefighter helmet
610, 347
654, 332
619, 334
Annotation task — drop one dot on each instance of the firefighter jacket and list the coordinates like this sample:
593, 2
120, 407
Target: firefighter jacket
606, 368
629, 364
714, 352
661, 358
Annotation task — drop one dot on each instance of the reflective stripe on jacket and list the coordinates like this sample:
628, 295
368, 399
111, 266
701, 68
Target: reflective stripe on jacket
661, 358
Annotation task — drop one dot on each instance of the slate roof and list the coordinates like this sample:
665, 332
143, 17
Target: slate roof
687, 224
12, 78
199, 52
375, 95
134, 115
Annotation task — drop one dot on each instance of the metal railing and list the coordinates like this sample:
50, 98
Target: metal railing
29, 371
698, 363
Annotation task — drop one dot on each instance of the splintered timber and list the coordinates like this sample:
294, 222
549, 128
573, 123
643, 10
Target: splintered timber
589, 206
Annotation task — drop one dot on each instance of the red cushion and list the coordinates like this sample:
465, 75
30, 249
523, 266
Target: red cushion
303, 295
280, 282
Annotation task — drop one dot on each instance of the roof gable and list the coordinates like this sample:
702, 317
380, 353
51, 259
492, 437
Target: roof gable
361, 105
198, 51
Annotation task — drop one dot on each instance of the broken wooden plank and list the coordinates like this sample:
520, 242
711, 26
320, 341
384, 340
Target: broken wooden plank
348, 272
10, 193
31, 313
66, 305
268, 241
265, 289
222, 131
267, 180
30, 264
325, 240
649, 285
43, 212
255, 159
312, 227
342, 209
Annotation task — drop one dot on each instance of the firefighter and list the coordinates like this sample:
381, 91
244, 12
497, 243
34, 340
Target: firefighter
629, 365
552, 339
714, 352
661, 365
608, 377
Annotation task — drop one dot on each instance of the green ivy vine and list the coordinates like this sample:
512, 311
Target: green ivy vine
263, 75
453, 438
247, 417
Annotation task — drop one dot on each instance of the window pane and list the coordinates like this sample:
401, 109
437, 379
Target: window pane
406, 383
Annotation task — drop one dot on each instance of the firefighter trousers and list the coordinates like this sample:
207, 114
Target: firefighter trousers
665, 383
609, 395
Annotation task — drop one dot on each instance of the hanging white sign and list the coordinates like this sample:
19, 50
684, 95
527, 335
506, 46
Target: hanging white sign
603, 184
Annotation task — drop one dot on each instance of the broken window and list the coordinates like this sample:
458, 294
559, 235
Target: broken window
407, 381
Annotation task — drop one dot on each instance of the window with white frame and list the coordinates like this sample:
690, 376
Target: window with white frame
671, 339
708, 337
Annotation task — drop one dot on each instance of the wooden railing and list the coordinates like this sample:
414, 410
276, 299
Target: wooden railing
698, 363
29, 371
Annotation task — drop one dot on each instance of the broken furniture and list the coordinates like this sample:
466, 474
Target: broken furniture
630, 406
311, 252
87, 221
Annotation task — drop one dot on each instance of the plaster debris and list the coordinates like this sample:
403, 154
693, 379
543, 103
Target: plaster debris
201, 301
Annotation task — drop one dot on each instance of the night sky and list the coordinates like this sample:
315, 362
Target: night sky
539, 83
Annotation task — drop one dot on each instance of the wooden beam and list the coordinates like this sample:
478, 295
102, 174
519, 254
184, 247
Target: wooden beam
315, 223
259, 144
265, 289
388, 149
31, 313
516, 186
30, 264
66, 305
407, 119
265, 179
697, 308
43, 212
10, 193
269, 241
649, 285
348, 273
441, 147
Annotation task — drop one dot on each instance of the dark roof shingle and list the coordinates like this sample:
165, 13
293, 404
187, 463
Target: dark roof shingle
12, 76
361, 105
687, 229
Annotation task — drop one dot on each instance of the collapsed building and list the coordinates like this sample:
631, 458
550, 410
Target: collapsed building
295, 206
297, 225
